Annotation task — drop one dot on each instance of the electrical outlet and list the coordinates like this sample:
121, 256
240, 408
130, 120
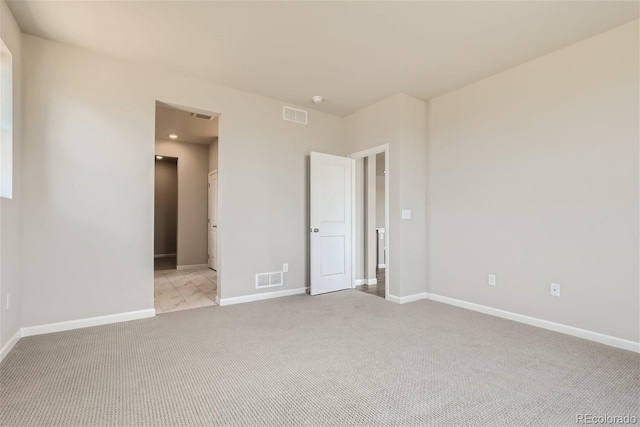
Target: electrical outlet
554, 290
492, 280
8, 301
285, 268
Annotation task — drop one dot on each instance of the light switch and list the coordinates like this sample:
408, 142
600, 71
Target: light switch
406, 214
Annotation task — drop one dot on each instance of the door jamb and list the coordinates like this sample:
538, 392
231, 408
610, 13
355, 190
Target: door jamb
215, 171
359, 155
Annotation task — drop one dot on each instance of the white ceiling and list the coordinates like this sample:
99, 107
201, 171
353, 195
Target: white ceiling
352, 53
189, 129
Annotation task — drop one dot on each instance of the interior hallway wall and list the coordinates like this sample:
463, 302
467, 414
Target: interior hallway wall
213, 155
165, 207
380, 192
371, 242
380, 208
193, 167
380, 195
363, 249
534, 177
360, 210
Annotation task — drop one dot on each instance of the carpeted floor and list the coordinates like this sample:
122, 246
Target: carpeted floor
346, 358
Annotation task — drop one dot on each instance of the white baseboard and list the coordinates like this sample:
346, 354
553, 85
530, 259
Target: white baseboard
84, 323
187, 267
540, 323
8, 346
28, 331
406, 299
382, 266
164, 255
260, 297
366, 282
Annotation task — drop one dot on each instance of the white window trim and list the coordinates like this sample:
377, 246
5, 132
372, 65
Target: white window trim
6, 121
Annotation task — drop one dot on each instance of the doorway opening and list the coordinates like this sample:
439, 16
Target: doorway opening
371, 224
186, 155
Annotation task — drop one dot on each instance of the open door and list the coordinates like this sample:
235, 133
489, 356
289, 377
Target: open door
330, 223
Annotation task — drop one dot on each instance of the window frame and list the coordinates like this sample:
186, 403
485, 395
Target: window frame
6, 121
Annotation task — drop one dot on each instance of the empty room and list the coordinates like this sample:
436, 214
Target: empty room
319, 213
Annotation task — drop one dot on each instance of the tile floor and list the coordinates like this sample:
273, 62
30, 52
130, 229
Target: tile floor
176, 290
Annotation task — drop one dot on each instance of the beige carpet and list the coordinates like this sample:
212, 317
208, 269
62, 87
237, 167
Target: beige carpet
346, 358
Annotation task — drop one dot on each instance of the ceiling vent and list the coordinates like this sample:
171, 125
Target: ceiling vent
268, 280
202, 116
294, 115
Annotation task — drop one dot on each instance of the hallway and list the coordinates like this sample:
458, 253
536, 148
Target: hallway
377, 289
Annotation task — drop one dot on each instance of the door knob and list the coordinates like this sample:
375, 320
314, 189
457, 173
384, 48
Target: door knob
315, 230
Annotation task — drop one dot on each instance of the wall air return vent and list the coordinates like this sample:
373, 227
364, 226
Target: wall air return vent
268, 280
294, 115
202, 116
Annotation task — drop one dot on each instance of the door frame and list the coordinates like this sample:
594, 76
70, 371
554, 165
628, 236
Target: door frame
384, 148
215, 171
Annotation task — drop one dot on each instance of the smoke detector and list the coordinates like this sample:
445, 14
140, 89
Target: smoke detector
317, 99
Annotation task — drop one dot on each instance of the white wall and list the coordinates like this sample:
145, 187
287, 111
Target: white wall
10, 209
400, 122
193, 169
88, 238
534, 177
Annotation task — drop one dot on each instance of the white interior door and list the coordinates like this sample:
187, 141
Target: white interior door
213, 220
330, 223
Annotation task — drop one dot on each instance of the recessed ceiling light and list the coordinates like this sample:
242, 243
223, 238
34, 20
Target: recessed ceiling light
173, 136
159, 157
